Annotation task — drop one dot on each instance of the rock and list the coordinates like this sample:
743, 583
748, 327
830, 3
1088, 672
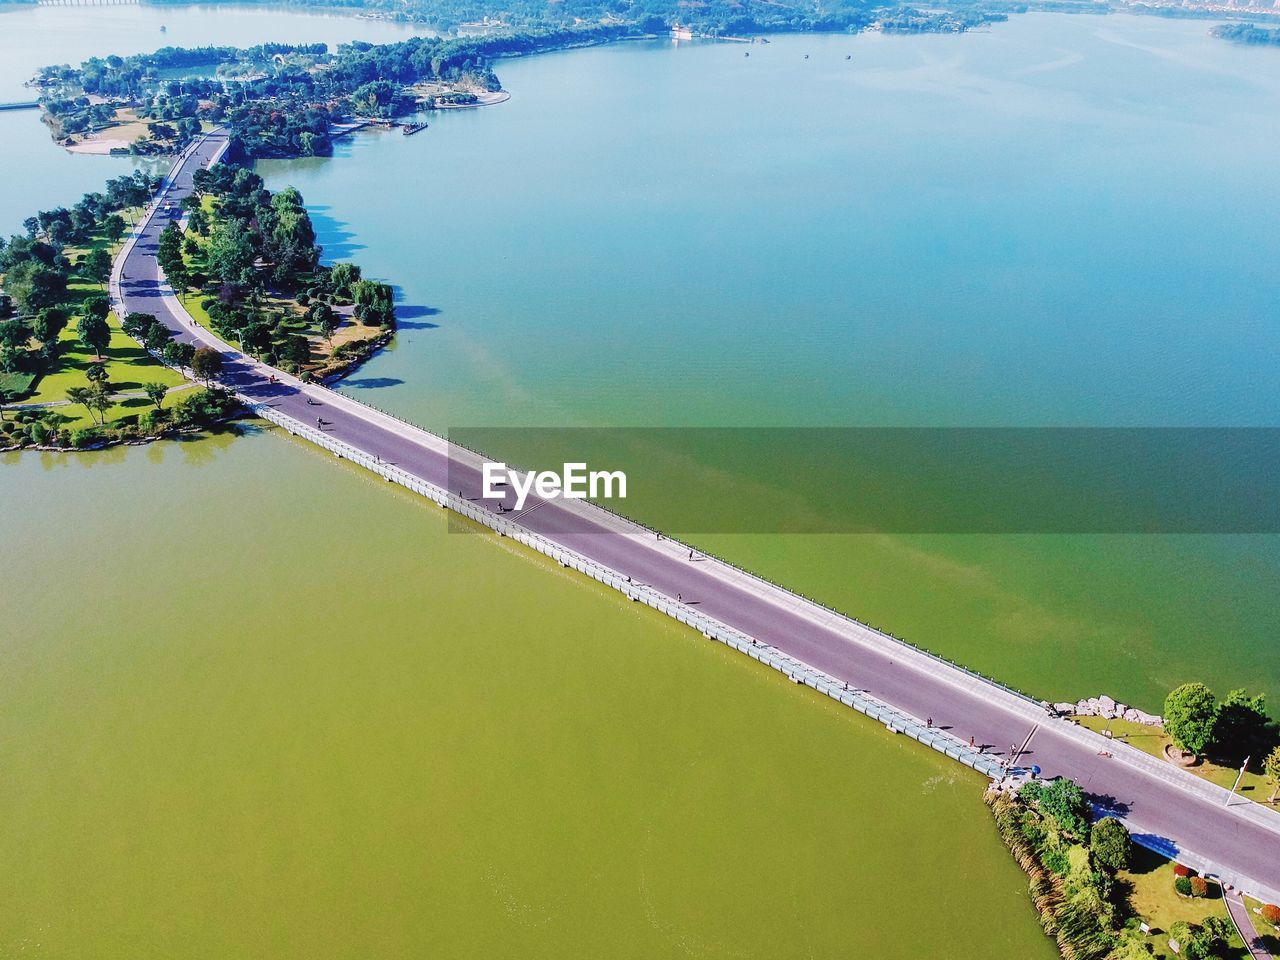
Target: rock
1131, 715
1064, 709
1148, 719
1107, 703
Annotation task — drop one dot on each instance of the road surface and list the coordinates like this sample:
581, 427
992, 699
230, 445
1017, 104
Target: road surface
1165, 808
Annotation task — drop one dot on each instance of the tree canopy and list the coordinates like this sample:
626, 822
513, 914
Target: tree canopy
1189, 714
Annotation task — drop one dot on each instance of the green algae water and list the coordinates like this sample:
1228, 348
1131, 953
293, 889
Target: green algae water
257, 704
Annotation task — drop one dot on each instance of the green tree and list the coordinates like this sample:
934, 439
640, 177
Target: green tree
1189, 715
33, 285
137, 324
206, 364
113, 227
97, 265
169, 248
157, 336
1242, 728
48, 326
84, 397
1063, 800
230, 255
96, 373
155, 393
100, 400
93, 331
374, 303
1109, 843
342, 277
326, 320
14, 334
1271, 767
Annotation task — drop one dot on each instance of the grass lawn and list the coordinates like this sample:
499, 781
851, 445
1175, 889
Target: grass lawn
128, 368
1153, 898
1152, 740
16, 383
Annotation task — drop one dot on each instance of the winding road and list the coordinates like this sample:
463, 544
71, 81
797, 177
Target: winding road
1166, 808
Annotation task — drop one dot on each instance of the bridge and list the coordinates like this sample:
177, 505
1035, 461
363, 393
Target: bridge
974, 720
20, 105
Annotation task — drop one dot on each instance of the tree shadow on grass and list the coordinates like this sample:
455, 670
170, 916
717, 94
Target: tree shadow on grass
1144, 860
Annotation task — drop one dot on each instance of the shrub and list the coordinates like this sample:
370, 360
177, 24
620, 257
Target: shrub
1271, 914
1181, 870
1182, 885
1109, 842
1199, 886
84, 437
1056, 862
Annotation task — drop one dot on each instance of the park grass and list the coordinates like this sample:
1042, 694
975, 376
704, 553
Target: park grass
128, 365
1153, 899
1152, 740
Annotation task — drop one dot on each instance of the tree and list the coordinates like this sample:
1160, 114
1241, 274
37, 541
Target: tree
14, 334
1189, 714
96, 373
155, 393
137, 324
169, 249
34, 284
1109, 843
157, 336
206, 364
48, 326
113, 227
1242, 728
342, 276
1271, 767
100, 400
326, 319
230, 255
1061, 799
179, 278
97, 265
374, 303
93, 332
84, 397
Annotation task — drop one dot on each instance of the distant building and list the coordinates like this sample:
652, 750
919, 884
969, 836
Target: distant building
681, 33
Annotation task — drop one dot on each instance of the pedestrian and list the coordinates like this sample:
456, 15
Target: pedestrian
929, 723
971, 743
690, 554
680, 598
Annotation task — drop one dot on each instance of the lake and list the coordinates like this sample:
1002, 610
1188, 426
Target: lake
257, 704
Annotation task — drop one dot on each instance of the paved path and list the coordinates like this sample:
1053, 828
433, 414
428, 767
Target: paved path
122, 395
1166, 808
1243, 920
